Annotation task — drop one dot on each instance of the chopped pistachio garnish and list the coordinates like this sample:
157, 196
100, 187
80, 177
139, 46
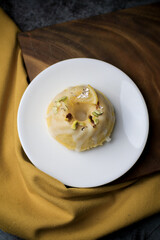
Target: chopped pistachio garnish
65, 107
96, 120
93, 120
74, 125
54, 109
97, 113
58, 104
62, 99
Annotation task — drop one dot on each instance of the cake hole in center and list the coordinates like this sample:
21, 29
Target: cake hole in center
80, 115
80, 112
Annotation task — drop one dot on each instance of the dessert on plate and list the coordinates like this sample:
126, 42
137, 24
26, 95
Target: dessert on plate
80, 118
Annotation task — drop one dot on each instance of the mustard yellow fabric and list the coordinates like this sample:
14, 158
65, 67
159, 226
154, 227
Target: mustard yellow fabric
34, 205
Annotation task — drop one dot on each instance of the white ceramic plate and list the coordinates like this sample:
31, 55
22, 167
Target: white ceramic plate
97, 166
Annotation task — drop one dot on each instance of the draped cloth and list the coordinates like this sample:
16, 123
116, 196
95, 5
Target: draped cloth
34, 205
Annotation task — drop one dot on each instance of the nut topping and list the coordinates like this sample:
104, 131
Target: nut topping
62, 99
97, 113
74, 125
69, 117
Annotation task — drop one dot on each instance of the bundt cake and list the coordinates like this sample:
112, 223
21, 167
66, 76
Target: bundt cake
80, 118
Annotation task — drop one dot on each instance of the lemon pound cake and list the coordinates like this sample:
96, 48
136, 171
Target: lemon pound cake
80, 118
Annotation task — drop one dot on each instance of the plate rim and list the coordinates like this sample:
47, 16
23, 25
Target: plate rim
34, 81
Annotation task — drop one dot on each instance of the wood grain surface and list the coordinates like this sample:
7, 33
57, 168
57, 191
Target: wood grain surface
129, 39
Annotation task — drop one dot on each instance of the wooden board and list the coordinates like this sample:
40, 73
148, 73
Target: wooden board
129, 39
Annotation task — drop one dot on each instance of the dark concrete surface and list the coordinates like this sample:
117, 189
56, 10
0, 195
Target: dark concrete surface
32, 14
